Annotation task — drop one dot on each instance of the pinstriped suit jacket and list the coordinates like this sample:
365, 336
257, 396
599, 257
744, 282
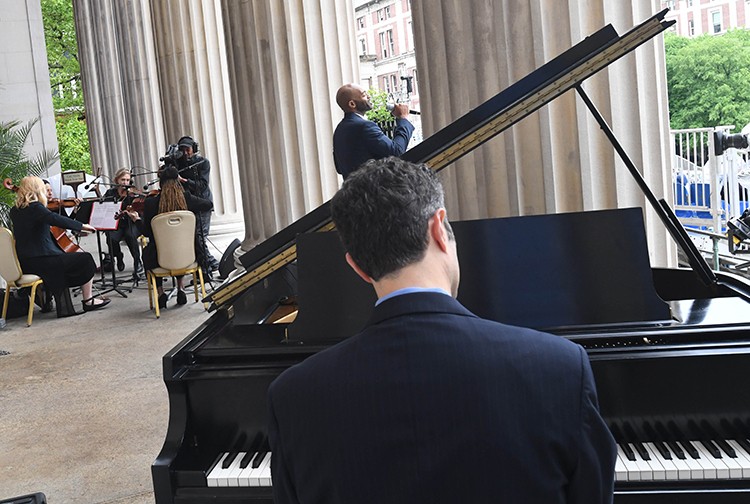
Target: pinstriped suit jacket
431, 404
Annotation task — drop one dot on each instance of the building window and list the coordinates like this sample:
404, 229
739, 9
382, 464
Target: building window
386, 85
716, 21
361, 23
670, 4
394, 82
363, 46
689, 3
386, 44
691, 27
384, 13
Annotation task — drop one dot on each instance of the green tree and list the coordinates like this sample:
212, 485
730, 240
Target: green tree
708, 79
379, 112
65, 79
15, 164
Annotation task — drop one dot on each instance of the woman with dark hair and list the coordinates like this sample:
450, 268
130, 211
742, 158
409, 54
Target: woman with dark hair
39, 254
172, 197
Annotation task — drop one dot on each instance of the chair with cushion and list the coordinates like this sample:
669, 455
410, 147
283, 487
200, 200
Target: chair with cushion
174, 237
10, 270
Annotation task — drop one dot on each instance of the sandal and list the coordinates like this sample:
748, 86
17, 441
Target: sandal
90, 305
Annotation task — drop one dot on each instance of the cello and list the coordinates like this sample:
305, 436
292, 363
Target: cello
55, 204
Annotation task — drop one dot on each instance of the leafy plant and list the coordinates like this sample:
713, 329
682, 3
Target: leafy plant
15, 164
379, 112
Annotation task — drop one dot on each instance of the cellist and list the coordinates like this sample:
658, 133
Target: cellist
40, 255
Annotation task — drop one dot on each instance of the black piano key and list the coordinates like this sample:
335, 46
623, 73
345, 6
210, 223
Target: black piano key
246, 459
740, 434
718, 439
689, 448
252, 450
229, 459
711, 447
673, 446
621, 441
264, 447
651, 433
642, 451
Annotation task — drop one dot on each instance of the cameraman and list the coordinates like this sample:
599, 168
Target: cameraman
195, 177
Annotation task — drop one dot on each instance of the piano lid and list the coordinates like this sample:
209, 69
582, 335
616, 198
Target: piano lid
458, 138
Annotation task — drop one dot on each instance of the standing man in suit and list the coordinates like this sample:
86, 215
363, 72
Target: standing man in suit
357, 139
430, 403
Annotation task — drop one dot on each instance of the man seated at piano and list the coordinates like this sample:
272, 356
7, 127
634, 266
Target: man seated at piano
429, 403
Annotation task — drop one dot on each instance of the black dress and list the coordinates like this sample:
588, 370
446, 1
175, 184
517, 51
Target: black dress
38, 253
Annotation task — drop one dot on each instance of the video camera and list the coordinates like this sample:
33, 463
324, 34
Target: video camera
172, 156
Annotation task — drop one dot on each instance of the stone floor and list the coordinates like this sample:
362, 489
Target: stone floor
83, 406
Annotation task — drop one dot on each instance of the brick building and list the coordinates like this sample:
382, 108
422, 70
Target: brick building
385, 44
713, 17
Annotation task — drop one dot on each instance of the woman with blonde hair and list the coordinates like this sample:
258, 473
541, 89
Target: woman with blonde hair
127, 229
39, 253
172, 196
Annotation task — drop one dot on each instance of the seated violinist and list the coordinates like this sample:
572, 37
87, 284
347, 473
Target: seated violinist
38, 253
127, 229
172, 197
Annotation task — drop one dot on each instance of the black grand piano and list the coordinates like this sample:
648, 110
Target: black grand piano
668, 346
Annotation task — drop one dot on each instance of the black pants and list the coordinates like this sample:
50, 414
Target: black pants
128, 233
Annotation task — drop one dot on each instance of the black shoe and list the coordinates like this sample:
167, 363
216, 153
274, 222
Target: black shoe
120, 262
89, 305
163, 300
181, 297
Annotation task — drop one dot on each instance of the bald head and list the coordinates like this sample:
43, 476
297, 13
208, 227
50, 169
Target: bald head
353, 98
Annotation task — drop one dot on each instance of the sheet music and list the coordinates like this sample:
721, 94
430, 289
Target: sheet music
103, 215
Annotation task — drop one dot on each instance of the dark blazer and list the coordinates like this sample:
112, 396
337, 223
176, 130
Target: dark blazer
431, 404
357, 140
31, 230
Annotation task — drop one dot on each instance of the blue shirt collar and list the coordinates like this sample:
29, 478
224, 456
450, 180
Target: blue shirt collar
410, 290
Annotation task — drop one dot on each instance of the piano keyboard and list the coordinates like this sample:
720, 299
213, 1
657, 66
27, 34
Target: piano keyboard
241, 469
683, 460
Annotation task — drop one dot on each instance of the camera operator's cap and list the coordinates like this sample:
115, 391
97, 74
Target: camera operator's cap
186, 141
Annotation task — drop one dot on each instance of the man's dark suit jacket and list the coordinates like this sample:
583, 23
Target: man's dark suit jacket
357, 140
431, 404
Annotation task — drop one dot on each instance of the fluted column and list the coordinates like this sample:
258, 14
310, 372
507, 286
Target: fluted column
557, 159
191, 64
286, 61
121, 91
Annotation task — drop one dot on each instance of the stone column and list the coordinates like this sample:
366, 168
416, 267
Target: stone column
121, 89
557, 159
192, 72
24, 76
286, 61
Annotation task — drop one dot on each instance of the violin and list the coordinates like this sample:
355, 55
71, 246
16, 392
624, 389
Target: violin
138, 203
59, 234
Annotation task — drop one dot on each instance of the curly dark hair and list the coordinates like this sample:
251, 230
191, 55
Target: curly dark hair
382, 213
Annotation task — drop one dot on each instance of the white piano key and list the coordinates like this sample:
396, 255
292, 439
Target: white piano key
255, 474
735, 470
668, 471
631, 467
743, 457
644, 469
709, 469
696, 469
213, 476
621, 471
265, 475
683, 469
223, 477
234, 470
722, 469
243, 479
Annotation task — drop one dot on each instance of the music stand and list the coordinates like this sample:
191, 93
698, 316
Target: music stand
73, 179
102, 217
